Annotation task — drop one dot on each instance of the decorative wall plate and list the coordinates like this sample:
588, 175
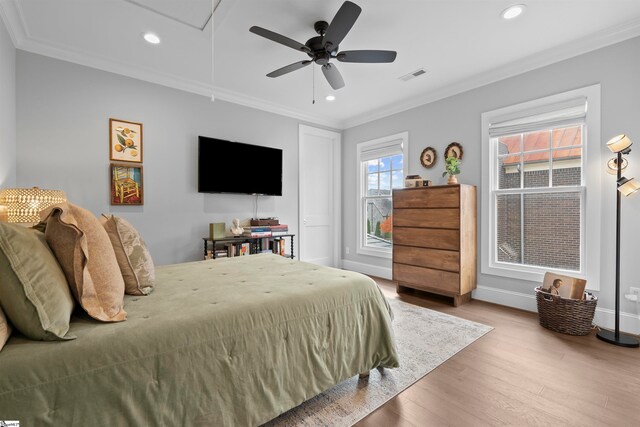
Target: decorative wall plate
454, 149
428, 157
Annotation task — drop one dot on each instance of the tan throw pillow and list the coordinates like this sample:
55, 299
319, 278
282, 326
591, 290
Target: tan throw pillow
86, 256
34, 293
5, 330
132, 254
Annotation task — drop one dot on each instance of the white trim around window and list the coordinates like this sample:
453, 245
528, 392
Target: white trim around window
591, 192
381, 147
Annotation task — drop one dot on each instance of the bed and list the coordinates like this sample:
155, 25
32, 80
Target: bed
233, 341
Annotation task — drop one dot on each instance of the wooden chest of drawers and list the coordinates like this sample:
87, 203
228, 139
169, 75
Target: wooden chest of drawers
434, 240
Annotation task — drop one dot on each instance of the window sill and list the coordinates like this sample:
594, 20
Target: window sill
380, 253
533, 274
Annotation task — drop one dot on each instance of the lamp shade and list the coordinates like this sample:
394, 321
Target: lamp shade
24, 205
619, 143
612, 166
628, 186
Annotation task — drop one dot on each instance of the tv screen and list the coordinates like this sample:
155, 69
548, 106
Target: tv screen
232, 167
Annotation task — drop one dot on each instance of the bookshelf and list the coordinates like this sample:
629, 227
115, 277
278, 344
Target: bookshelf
256, 244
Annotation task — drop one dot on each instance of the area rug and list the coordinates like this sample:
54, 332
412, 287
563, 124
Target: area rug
425, 339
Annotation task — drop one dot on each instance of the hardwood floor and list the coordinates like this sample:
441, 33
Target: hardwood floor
518, 374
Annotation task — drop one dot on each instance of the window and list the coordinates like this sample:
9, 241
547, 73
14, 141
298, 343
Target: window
381, 168
536, 179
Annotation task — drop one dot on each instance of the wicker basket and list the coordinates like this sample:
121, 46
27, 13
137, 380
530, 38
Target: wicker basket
568, 316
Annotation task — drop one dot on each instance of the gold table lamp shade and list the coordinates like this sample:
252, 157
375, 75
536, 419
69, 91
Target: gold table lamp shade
23, 205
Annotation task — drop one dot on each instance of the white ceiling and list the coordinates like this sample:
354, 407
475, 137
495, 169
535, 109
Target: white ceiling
462, 43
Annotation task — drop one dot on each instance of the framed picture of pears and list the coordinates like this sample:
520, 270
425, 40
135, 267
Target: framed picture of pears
125, 141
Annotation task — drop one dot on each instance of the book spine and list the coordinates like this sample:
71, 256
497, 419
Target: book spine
258, 234
253, 229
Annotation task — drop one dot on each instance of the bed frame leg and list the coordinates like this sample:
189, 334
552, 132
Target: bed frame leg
364, 375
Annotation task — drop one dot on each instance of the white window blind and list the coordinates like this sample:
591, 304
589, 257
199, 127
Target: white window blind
387, 148
551, 116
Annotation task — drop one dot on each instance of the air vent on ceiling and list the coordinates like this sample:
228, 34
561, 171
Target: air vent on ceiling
413, 74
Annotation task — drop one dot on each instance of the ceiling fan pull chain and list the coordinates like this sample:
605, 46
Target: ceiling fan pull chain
213, 9
313, 84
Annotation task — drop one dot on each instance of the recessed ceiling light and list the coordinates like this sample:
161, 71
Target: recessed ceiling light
330, 98
151, 38
513, 11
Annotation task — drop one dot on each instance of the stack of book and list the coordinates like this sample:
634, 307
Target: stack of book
278, 246
238, 249
266, 230
279, 230
257, 231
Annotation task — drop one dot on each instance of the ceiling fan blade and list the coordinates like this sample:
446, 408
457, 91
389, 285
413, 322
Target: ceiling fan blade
367, 56
333, 76
279, 38
341, 24
289, 68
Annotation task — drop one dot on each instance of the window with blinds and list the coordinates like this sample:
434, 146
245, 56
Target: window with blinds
381, 166
537, 187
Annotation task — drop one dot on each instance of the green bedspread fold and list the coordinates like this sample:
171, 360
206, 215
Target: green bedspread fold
227, 342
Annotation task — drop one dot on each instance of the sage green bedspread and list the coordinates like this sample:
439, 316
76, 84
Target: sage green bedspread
226, 342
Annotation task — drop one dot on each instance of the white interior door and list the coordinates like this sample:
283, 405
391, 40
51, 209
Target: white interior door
319, 196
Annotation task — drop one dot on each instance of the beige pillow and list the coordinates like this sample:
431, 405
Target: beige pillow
86, 256
5, 330
132, 254
34, 293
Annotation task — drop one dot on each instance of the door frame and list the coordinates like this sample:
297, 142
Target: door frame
337, 189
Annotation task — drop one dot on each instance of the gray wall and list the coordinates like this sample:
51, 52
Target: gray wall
62, 125
458, 118
7, 109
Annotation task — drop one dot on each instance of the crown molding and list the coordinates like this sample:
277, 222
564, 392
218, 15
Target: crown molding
46, 48
11, 14
260, 104
598, 40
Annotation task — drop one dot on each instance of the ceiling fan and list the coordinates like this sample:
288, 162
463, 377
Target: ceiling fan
324, 47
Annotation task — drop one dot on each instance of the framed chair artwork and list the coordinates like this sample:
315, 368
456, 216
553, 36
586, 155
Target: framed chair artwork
126, 185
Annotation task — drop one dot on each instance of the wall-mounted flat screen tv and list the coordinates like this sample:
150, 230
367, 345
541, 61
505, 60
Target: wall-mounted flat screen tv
233, 167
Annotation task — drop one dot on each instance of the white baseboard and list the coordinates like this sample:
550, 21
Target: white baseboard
604, 317
369, 269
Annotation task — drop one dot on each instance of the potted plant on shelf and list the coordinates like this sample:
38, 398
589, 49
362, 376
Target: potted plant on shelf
452, 168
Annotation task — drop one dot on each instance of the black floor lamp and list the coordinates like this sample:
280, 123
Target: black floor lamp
620, 145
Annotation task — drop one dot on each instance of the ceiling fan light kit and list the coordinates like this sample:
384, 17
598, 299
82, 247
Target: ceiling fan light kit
324, 47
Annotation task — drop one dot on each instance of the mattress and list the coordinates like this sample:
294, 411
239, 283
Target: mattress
232, 341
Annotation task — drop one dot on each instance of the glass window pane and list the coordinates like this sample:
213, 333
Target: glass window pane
397, 162
567, 167
546, 233
372, 166
509, 169
509, 144
379, 223
509, 227
536, 170
397, 181
385, 183
385, 163
552, 230
566, 137
538, 140
372, 184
